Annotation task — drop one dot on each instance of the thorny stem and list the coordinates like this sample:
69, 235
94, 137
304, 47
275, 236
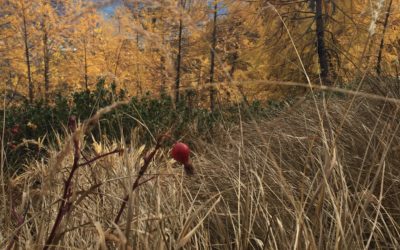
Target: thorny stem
137, 183
65, 203
100, 156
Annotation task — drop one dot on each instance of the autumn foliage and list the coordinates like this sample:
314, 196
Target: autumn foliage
290, 109
50, 47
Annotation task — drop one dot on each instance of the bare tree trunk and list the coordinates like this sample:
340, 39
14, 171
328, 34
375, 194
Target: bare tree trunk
162, 55
321, 49
27, 53
46, 66
178, 60
385, 25
138, 83
46, 58
212, 64
162, 72
86, 64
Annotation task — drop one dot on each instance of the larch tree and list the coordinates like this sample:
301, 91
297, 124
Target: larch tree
382, 43
83, 48
212, 54
179, 53
168, 46
321, 48
47, 21
22, 7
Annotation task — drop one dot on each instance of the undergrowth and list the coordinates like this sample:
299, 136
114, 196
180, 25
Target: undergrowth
29, 127
320, 175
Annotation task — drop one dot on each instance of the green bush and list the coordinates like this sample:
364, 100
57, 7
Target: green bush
160, 115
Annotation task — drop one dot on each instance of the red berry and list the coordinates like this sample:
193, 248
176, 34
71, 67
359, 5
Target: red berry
180, 152
15, 129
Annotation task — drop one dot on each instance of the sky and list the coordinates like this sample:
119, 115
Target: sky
109, 9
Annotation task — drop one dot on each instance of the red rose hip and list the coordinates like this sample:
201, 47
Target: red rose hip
180, 152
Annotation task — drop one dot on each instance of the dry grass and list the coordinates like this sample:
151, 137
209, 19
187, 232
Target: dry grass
323, 175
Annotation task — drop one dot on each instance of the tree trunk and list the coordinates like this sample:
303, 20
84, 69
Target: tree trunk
27, 53
138, 83
46, 66
162, 55
385, 25
178, 60
86, 64
321, 49
46, 59
162, 72
212, 63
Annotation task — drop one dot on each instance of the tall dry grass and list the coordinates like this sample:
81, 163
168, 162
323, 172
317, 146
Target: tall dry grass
322, 175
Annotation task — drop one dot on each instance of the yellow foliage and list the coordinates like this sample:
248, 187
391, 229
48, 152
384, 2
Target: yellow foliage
137, 46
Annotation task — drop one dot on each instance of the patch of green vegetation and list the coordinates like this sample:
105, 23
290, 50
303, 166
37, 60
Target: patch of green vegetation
154, 115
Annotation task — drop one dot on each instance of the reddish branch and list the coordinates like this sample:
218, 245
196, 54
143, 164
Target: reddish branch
137, 183
100, 156
66, 205
385, 26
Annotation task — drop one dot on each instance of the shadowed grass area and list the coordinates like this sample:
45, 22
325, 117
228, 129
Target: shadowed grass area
320, 175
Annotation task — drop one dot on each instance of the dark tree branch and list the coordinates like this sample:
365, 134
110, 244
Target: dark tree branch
381, 47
